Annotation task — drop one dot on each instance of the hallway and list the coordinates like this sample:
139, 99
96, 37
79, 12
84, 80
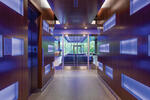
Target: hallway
74, 85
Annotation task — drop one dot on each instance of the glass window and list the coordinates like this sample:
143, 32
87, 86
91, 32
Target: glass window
137, 89
16, 5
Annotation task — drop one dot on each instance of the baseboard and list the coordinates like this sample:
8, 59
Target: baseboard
107, 88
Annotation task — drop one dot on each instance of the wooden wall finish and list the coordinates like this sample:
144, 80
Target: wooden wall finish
134, 66
14, 68
48, 57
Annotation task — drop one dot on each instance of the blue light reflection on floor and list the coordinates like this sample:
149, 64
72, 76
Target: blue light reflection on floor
10, 92
109, 72
137, 89
136, 5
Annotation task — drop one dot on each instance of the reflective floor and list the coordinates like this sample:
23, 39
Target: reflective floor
74, 85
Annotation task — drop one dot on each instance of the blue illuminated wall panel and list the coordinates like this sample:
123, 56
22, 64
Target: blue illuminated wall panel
7, 46
129, 46
110, 23
13, 46
104, 48
45, 26
109, 72
149, 45
17, 46
10, 92
1, 46
137, 89
47, 69
100, 66
16, 5
136, 5
50, 48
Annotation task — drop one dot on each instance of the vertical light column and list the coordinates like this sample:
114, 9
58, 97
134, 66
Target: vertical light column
88, 52
62, 51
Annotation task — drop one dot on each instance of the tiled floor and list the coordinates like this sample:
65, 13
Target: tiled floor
74, 85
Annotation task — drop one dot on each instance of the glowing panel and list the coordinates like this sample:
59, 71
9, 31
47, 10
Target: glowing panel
104, 48
10, 92
45, 26
100, 66
129, 46
17, 46
136, 5
110, 23
137, 89
1, 46
109, 72
16, 5
149, 45
47, 69
50, 48
13, 46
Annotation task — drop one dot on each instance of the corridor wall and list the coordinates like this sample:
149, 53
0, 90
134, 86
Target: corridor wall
13, 61
129, 54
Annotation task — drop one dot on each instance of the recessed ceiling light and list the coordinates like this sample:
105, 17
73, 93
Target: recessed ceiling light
66, 35
65, 28
85, 28
84, 35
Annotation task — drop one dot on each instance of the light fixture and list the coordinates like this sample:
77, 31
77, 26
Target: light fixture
65, 27
93, 22
66, 35
57, 22
84, 35
85, 27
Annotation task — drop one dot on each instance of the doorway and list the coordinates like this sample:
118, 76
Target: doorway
76, 51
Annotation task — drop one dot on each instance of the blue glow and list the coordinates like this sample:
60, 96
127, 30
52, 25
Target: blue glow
46, 26
149, 45
136, 5
16, 5
100, 66
104, 48
17, 46
137, 89
110, 23
109, 72
1, 46
129, 46
75, 3
50, 48
47, 69
13, 46
10, 92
